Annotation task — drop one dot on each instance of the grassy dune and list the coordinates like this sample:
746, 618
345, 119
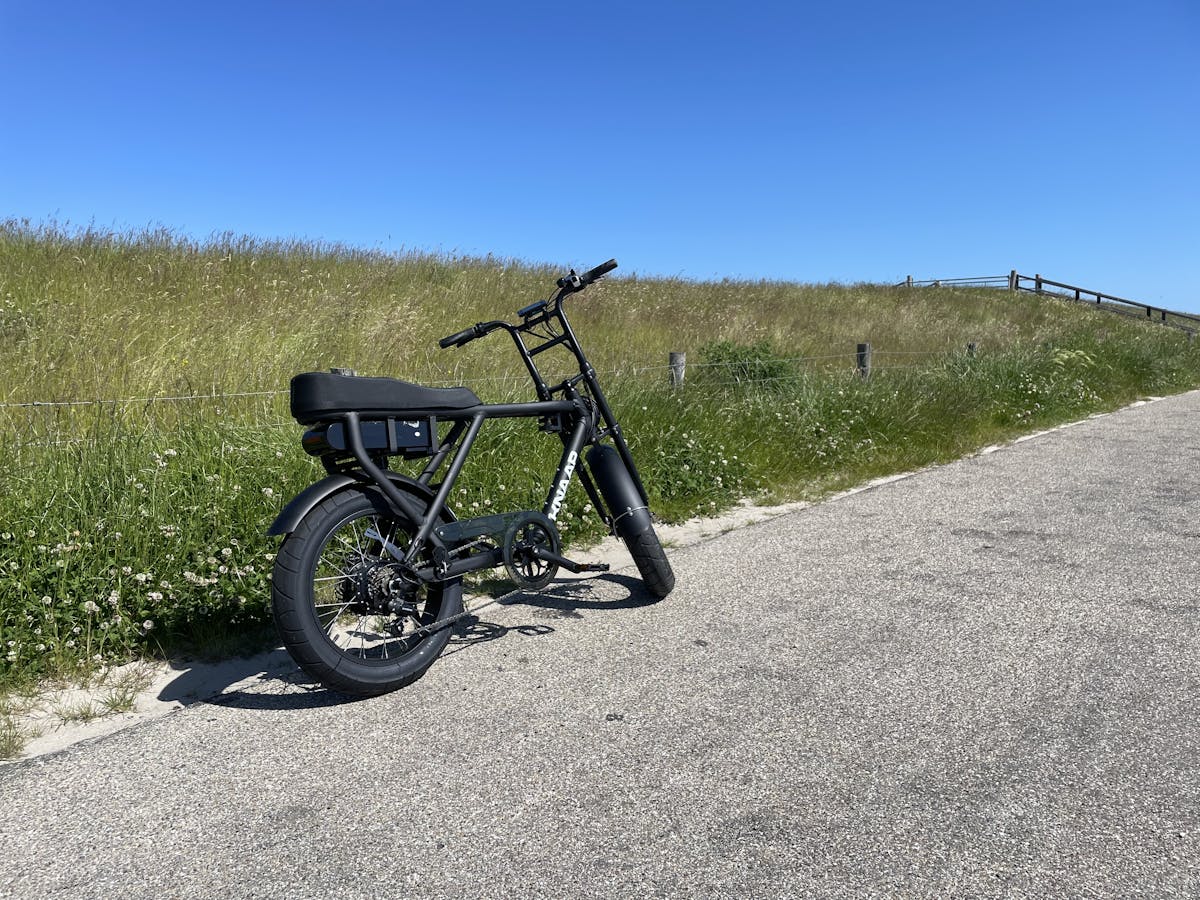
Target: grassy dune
138, 527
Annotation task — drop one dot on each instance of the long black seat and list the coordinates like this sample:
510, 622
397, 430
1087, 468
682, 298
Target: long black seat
323, 395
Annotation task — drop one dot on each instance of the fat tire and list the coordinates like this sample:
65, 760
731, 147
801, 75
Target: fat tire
652, 563
296, 619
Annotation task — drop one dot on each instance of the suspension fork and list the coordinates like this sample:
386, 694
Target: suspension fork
613, 428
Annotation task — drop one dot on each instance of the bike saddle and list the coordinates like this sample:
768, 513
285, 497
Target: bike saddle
322, 395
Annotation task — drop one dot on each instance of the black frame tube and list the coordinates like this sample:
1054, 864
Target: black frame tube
573, 445
439, 501
395, 497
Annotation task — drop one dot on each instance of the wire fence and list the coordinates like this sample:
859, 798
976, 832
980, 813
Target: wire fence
971, 281
515, 378
54, 423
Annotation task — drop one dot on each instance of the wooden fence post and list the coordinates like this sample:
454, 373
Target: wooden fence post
1037, 283
908, 281
863, 360
1013, 280
678, 364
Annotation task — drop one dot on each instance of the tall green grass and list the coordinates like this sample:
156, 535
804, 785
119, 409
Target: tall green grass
138, 526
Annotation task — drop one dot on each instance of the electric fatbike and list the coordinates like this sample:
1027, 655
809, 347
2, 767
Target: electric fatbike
368, 580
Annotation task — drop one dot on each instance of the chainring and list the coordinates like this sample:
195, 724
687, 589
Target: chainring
532, 529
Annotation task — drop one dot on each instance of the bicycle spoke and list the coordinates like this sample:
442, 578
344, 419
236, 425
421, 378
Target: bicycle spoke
334, 618
353, 584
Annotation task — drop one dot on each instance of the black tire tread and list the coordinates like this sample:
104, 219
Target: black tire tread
647, 552
290, 608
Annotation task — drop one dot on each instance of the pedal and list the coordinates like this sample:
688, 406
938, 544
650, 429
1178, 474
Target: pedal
568, 564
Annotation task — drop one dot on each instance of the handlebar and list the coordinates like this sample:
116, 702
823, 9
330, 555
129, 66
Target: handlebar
568, 284
463, 337
603, 269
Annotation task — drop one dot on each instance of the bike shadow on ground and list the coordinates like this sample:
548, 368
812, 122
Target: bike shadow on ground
566, 597
562, 600
267, 681
272, 682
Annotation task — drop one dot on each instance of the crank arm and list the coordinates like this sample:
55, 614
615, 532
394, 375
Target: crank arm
570, 565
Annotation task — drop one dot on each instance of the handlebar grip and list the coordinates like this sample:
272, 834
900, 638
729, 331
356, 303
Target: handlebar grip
457, 340
603, 269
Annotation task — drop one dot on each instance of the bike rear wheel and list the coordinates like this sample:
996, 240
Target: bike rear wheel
342, 605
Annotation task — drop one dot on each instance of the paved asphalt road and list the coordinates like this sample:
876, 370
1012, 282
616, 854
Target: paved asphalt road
981, 680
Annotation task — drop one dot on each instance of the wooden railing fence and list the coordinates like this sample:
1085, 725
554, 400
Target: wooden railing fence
1036, 284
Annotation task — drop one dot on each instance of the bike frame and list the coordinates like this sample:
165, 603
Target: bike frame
579, 418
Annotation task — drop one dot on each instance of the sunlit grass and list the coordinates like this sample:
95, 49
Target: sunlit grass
139, 527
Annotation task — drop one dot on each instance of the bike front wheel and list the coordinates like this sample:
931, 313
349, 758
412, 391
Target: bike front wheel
647, 552
343, 606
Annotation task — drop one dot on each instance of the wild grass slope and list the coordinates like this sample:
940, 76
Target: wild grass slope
134, 526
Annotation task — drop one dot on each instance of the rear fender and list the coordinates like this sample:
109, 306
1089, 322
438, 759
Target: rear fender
304, 502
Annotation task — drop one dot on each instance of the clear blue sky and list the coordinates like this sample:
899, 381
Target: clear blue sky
833, 141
